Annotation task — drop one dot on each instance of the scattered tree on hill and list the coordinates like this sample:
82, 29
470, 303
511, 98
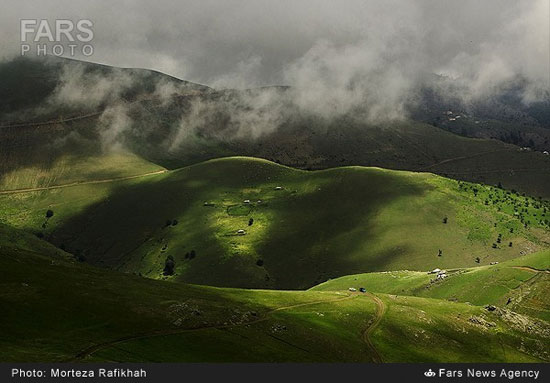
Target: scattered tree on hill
440, 253
168, 222
494, 245
478, 260
250, 221
445, 220
260, 262
169, 265
510, 244
192, 254
174, 222
49, 214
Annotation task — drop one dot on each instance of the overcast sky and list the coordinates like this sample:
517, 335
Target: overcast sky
243, 43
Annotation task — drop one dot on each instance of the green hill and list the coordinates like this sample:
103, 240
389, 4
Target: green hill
173, 123
525, 281
73, 169
319, 225
57, 310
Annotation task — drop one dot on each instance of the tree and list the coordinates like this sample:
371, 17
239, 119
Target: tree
250, 221
169, 266
440, 253
260, 262
49, 214
445, 220
192, 254
478, 260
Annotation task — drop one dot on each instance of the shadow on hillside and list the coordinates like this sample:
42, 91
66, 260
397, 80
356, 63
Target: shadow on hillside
312, 236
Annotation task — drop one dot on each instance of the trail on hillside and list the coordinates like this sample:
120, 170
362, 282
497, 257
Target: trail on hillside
379, 314
92, 114
52, 122
530, 269
98, 347
461, 158
79, 183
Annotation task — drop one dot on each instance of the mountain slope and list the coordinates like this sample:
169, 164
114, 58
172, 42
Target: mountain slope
519, 284
84, 109
319, 225
55, 310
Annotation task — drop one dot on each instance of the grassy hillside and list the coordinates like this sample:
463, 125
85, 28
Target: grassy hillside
525, 281
56, 310
69, 169
174, 123
318, 225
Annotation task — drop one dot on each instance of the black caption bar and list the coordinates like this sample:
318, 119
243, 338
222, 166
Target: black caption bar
181, 372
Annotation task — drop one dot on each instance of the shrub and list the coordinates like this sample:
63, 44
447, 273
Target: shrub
169, 265
49, 213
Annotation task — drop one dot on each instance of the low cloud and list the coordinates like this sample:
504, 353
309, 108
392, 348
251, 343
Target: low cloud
369, 58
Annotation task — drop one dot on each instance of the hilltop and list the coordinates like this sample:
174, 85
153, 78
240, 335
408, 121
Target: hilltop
245, 222
57, 110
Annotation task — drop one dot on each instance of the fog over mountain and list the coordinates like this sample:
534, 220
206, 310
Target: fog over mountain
328, 44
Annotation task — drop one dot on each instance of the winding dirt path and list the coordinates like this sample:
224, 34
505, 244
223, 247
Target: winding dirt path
379, 314
51, 122
100, 346
461, 158
530, 269
79, 183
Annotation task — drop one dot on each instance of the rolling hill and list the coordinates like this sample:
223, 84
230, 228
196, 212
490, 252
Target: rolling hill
244, 222
57, 309
172, 123
144, 218
519, 284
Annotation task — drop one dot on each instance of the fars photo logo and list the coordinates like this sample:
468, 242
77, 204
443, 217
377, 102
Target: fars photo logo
429, 373
60, 37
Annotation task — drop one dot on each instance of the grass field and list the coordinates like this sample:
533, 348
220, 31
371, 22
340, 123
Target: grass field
55, 309
119, 243
325, 224
523, 280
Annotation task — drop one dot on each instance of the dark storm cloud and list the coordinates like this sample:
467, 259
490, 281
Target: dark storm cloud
338, 53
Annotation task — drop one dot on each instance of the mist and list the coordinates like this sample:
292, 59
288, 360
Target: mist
365, 57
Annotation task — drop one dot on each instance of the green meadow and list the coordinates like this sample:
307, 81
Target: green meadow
264, 257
